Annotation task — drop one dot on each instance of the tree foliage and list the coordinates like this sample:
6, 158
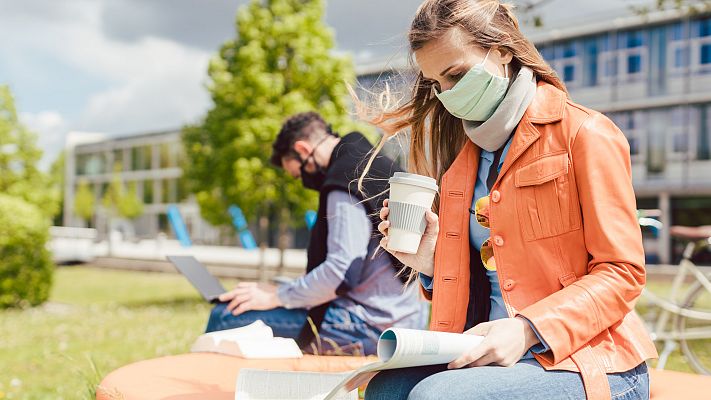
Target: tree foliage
84, 201
688, 6
121, 202
280, 63
19, 158
25, 265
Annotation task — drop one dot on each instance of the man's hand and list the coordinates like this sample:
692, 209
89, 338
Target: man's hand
505, 342
251, 296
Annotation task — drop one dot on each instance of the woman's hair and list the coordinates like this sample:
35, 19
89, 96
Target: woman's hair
436, 137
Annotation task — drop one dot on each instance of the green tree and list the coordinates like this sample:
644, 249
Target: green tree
280, 63
26, 268
56, 178
687, 6
120, 202
84, 201
19, 157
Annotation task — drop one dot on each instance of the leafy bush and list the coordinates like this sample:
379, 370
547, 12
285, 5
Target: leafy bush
25, 265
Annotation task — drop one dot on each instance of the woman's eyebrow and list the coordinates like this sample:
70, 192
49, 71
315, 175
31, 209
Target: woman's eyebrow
450, 67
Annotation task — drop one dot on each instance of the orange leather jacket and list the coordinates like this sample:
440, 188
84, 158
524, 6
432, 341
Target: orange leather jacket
567, 244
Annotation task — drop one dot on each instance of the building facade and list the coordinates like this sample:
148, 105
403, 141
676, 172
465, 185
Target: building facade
149, 162
651, 75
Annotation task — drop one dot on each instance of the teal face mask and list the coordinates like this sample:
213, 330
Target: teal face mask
477, 95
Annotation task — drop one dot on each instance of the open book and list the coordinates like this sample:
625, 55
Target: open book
255, 340
397, 348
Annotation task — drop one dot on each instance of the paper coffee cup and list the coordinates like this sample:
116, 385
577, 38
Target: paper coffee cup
411, 195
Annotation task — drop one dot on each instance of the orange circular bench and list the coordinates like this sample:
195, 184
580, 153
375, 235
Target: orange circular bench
207, 376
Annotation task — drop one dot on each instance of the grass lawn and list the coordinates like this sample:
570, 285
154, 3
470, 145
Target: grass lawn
98, 320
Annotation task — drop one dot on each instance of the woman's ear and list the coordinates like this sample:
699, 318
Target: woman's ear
504, 55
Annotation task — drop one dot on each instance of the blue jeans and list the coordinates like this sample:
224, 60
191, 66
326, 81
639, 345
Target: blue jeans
341, 332
526, 380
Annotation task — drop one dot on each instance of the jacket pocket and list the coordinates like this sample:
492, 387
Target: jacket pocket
546, 201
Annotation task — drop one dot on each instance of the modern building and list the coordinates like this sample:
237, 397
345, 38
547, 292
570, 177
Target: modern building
149, 162
651, 74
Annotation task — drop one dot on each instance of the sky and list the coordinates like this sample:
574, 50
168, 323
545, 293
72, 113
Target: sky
124, 67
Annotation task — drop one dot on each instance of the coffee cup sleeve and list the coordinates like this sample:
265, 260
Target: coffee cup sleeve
408, 217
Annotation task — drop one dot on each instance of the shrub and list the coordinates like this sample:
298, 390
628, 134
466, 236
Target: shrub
25, 265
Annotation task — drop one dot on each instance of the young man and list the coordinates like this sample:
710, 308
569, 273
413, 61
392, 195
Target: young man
350, 291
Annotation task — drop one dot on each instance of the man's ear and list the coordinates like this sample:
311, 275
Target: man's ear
304, 148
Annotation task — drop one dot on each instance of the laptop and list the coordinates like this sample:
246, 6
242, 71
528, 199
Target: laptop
208, 286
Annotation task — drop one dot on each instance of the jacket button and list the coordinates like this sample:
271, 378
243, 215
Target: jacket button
498, 240
496, 196
509, 284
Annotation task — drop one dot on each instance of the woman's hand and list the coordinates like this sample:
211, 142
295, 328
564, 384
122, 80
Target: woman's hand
251, 296
505, 342
423, 260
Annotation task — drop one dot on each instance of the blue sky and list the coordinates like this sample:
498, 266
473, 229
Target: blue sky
132, 66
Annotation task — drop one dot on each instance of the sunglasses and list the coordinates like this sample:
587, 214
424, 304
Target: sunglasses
481, 213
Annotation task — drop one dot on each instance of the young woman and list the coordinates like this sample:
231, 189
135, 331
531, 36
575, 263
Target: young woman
533, 241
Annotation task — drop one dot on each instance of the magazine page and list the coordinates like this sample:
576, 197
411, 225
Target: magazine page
255, 384
402, 348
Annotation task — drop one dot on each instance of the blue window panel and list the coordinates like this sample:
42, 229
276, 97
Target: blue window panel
702, 27
548, 53
705, 54
569, 73
569, 50
678, 31
610, 67
634, 64
631, 39
681, 142
634, 145
681, 57
590, 62
607, 42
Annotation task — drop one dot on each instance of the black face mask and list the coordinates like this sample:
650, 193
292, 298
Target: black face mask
312, 180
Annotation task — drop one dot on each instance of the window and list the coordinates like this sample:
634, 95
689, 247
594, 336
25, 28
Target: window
678, 55
705, 54
170, 189
140, 158
682, 132
634, 64
569, 73
566, 59
590, 70
700, 45
607, 58
148, 192
631, 123
632, 54
704, 138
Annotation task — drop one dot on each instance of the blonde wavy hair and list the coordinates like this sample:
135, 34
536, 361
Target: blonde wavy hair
436, 137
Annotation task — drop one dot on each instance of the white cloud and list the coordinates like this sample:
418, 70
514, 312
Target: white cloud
152, 83
159, 85
51, 129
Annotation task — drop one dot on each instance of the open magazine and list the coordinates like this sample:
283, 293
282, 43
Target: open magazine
397, 348
255, 340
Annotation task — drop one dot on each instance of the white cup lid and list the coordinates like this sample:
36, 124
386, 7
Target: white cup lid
405, 178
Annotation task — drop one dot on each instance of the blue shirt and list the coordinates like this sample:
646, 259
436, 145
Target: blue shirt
378, 297
478, 235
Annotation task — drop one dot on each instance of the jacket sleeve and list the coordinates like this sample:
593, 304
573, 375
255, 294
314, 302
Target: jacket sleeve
349, 235
571, 317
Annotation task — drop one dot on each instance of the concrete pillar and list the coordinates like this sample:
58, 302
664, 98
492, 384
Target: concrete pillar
666, 220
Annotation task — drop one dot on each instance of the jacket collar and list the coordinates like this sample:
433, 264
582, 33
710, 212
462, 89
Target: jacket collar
547, 107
